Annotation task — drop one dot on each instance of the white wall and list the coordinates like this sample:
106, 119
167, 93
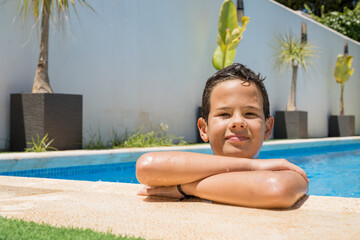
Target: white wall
145, 62
317, 91
17, 63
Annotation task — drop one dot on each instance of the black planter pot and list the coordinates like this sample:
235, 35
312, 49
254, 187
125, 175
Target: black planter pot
290, 124
341, 126
58, 115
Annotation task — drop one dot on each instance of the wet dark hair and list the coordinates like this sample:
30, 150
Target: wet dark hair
233, 72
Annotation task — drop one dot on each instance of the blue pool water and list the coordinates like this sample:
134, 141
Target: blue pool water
332, 170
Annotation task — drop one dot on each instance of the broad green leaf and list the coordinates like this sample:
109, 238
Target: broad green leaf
230, 57
219, 41
218, 58
227, 18
343, 70
229, 35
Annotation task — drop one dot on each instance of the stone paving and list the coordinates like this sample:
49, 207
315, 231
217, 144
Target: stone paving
115, 207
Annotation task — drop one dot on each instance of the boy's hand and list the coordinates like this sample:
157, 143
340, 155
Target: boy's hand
277, 165
166, 191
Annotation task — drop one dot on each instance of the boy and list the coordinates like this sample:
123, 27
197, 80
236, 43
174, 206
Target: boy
235, 120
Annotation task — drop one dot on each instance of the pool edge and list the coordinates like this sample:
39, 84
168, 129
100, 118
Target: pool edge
115, 207
26, 155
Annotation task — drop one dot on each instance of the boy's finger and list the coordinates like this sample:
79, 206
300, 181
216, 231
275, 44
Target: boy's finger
302, 173
142, 192
145, 191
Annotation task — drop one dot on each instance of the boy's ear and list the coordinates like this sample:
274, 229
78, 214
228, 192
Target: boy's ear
202, 126
268, 127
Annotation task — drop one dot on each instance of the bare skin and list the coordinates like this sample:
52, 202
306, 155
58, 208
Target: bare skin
271, 183
236, 128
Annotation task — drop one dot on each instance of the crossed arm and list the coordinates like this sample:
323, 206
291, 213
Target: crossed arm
270, 183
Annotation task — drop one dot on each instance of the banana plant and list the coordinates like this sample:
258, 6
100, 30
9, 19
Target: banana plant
343, 72
229, 35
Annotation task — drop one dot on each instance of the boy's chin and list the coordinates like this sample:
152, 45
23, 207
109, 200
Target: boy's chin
238, 153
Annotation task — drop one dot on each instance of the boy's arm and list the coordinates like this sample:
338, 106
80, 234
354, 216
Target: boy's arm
262, 189
172, 168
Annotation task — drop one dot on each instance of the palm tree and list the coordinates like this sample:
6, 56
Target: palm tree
294, 53
47, 9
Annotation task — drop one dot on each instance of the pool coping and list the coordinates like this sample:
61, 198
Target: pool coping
115, 207
297, 143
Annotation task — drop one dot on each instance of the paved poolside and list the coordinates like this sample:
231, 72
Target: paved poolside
115, 207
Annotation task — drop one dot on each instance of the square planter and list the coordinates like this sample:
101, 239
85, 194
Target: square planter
290, 124
341, 126
58, 115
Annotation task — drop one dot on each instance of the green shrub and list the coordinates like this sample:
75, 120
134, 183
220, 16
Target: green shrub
317, 5
346, 22
139, 138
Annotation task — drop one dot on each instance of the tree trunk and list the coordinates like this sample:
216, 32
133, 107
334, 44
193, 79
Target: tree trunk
291, 106
342, 100
41, 80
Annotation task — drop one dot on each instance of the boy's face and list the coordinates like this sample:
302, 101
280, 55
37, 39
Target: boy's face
236, 124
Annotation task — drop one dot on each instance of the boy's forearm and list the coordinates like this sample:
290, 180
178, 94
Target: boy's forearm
171, 168
262, 189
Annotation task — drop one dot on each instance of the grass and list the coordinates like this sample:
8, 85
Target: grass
155, 138
94, 141
13, 229
139, 138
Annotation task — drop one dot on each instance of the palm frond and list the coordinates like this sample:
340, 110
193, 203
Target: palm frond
292, 52
60, 7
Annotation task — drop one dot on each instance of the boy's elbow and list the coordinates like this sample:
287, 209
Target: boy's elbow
283, 197
144, 167
285, 193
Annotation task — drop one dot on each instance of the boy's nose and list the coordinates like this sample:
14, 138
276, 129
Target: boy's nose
238, 123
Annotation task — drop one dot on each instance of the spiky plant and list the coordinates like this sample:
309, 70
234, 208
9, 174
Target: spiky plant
294, 53
47, 8
40, 145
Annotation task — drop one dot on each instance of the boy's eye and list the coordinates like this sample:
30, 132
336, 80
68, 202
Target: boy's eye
251, 114
224, 115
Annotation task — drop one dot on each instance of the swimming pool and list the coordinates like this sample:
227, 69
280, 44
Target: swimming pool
333, 166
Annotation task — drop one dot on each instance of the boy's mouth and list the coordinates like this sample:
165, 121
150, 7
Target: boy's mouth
237, 138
